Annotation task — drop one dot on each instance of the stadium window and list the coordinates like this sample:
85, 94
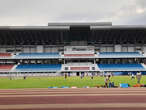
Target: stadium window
66, 68
93, 68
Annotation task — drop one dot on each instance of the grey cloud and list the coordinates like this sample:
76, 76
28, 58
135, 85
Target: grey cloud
40, 12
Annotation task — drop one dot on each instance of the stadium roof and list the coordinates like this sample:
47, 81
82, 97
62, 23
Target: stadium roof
67, 25
65, 33
81, 24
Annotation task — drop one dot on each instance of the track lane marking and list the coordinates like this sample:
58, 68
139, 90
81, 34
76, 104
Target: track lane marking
92, 105
64, 95
68, 92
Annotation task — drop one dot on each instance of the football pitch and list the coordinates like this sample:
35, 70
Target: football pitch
45, 82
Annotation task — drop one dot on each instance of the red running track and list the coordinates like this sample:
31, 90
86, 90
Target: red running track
73, 99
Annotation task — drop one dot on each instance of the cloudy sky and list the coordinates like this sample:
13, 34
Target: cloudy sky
40, 12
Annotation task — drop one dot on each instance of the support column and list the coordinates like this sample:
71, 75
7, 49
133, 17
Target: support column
94, 61
64, 61
131, 49
144, 49
40, 49
117, 48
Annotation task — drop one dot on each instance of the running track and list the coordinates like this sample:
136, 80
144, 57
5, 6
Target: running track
73, 99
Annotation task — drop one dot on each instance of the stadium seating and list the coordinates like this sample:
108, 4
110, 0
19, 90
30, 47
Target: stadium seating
121, 67
38, 55
6, 67
80, 68
38, 67
119, 54
78, 55
5, 55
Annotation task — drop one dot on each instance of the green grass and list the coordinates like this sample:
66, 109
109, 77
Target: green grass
44, 82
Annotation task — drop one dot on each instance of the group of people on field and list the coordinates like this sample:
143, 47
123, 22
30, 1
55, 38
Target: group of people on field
108, 76
82, 75
138, 76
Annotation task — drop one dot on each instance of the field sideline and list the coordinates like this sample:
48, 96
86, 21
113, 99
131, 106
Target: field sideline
45, 82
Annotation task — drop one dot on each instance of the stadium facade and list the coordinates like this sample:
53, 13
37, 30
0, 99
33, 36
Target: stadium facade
73, 48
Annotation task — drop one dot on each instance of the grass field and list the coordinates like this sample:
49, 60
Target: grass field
44, 82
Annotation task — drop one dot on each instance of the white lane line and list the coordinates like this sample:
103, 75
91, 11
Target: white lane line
91, 105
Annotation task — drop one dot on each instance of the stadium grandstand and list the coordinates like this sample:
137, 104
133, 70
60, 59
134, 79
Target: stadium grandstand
73, 48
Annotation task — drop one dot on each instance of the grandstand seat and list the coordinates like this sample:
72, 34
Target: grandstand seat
38, 67
38, 55
119, 54
78, 55
5, 55
6, 67
121, 67
79, 68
